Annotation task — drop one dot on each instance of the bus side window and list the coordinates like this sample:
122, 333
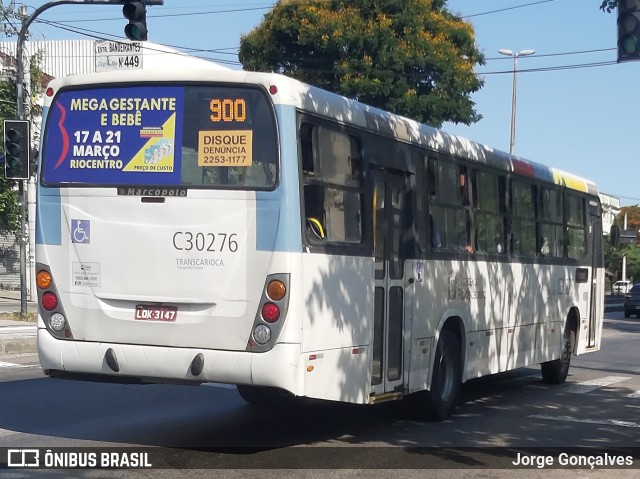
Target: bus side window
449, 205
333, 186
489, 212
434, 226
314, 211
435, 233
544, 249
523, 218
552, 221
306, 149
576, 226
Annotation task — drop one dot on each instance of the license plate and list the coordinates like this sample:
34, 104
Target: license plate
156, 313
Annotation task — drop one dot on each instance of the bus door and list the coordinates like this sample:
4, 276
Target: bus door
594, 248
388, 335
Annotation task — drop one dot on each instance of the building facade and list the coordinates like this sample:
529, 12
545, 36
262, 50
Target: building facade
610, 210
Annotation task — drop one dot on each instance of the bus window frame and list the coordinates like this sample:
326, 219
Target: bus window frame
317, 245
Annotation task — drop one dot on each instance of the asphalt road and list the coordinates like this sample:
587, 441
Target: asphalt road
210, 427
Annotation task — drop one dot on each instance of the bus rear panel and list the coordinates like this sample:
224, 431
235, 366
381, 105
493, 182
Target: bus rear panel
157, 232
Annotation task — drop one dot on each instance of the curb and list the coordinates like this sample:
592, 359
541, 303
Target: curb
18, 340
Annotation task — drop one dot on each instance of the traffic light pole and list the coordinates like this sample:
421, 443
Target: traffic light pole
21, 114
23, 247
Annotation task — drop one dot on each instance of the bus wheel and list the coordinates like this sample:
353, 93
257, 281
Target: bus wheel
556, 371
447, 377
266, 397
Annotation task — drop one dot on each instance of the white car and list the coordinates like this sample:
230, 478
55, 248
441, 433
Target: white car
621, 287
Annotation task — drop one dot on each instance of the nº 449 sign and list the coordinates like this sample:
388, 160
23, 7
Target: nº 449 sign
113, 55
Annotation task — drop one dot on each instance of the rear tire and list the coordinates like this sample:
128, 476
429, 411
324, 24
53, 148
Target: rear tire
556, 371
447, 377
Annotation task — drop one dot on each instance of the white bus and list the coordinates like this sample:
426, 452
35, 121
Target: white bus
246, 228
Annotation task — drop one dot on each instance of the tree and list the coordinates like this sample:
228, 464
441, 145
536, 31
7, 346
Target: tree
411, 57
9, 206
613, 255
608, 5
632, 252
633, 217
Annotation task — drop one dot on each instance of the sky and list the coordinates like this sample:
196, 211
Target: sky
575, 104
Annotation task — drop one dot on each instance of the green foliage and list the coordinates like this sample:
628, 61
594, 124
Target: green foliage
9, 210
613, 256
35, 77
411, 57
613, 261
632, 252
9, 206
609, 254
633, 217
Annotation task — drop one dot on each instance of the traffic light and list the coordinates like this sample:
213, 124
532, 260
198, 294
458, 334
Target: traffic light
628, 30
17, 149
136, 13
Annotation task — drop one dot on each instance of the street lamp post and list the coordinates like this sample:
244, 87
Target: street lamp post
509, 53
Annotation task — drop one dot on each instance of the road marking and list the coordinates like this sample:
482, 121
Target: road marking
4, 364
603, 422
634, 395
219, 385
587, 386
11, 365
10, 329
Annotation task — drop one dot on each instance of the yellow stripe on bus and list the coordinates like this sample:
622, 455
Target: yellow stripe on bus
569, 181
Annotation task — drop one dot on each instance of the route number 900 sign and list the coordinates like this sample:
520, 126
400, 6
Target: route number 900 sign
228, 110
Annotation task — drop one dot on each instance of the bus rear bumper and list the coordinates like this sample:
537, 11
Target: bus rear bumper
160, 364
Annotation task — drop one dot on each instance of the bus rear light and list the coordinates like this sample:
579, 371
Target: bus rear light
50, 306
49, 301
43, 279
57, 322
270, 312
276, 290
262, 334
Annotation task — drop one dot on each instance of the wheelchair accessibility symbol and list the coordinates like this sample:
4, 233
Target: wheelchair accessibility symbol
81, 231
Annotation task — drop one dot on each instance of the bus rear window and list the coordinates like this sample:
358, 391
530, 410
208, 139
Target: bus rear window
194, 136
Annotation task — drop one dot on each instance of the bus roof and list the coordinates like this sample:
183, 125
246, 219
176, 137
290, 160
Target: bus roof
324, 103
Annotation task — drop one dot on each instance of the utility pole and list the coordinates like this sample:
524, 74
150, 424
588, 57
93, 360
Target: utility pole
10, 13
509, 53
21, 115
624, 258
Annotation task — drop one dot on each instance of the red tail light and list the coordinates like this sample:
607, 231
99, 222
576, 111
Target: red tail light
49, 301
270, 312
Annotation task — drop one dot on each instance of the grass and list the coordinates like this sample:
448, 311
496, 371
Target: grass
17, 316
